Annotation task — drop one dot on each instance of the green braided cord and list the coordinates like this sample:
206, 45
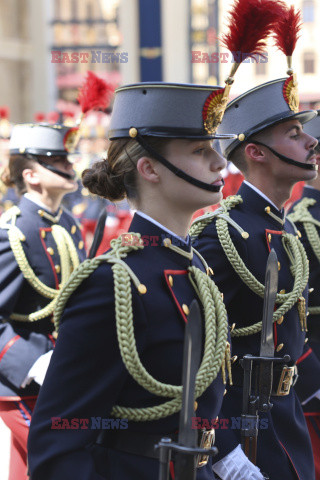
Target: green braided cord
293, 247
215, 324
216, 328
14, 235
302, 215
314, 310
200, 223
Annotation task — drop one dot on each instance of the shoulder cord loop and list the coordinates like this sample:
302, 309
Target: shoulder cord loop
216, 329
69, 261
293, 247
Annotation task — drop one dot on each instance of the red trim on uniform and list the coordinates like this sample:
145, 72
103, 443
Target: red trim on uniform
311, 414
275, 334
17, 398
304, 356
8, 345
49, 256
175, 272
171, 469
272, 232
52, 339
290, 459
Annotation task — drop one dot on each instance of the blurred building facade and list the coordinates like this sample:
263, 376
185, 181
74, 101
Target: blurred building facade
46, 46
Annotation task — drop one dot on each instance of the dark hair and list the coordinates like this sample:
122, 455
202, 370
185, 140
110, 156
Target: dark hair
238, 156
115, 177
11, 175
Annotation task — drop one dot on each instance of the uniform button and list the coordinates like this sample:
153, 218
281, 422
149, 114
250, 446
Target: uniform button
73, 229
299, 233
245, 235
224, 392
279, 265
283, 291
306, 339
269, 237
185, 308
55, 335
280, 320
80, 245
222, 296
171, 280
167, 242
43, 233
142, 289
311, 290
279, 347
267, 209
234, 358
195, 406
233, 326
41, 213
210, 271
50, 250
57, 268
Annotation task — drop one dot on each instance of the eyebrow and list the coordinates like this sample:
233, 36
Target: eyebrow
295, 127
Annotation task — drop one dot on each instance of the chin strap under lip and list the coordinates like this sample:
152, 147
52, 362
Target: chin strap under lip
290, 161
179, 173
51, 168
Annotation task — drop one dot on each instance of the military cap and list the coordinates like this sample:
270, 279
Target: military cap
43, 139
259, 108
168, 110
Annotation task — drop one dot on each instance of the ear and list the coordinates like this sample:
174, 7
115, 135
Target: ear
147, 169
256, 153
30, 176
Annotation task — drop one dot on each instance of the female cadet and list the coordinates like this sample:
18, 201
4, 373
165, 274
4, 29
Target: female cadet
122, 330
40, 244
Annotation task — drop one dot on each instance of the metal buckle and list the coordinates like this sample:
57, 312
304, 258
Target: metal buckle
207, 440
286, 381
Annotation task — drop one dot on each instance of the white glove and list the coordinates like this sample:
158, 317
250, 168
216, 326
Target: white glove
236, 466
38, 370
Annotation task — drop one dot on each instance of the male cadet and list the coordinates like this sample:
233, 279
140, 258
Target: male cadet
306, 215
273, 153
40, 245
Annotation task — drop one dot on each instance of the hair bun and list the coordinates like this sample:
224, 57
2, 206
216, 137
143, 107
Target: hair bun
101, 180
6, 178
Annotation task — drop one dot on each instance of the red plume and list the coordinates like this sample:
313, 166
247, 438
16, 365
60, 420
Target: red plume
4, 113
250, 22
94, 94
39, 117
53, 117
287, 29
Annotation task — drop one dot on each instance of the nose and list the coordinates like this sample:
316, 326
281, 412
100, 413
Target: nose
218, 162
311, 142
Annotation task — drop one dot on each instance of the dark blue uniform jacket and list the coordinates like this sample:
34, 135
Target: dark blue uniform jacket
308, 382
22, 343
87, 376
284, 450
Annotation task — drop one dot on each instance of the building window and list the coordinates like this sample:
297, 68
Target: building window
308, 10
309, 62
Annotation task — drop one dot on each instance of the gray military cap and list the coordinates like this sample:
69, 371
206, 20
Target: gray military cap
260, 108
313, 127
43, 139
165, 110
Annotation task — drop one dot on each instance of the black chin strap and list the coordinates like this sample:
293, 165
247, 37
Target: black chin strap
52, 168
179, 173
305, 166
